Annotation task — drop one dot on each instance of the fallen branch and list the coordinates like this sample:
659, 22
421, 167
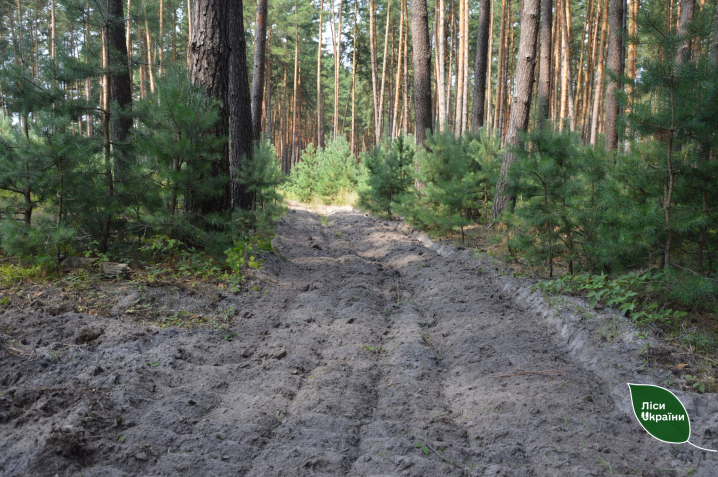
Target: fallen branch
445, 459
19, 351
548, 371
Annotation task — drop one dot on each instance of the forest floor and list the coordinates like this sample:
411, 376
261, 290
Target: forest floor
359, 350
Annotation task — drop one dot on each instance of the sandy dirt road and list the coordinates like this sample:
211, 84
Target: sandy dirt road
363, 353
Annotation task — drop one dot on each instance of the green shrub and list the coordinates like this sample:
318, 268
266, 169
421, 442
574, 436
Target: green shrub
449, 196
40, 243
262, 176
544, 178
389, 173
324, 173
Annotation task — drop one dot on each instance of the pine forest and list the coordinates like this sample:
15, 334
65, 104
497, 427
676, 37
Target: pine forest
216, 147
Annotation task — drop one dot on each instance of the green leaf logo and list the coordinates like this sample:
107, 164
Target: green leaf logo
661, 414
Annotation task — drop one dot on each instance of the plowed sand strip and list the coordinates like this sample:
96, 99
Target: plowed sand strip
363, 354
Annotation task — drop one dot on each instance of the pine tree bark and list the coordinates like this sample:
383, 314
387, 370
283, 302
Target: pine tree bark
599, 75
422, 69
268, 90
397, 82
613, 65
489, 67
465, 97
120, 84
482, 53
189, 32
149, 54
632, 51
240, 109
161, 37
372, 52
591, 64
441, 59
354, 76
106, 143
88, 84
586, 30
501, 72
319, 74
53, 29
337, 67
406, 71
380, 116
260, 45
296, 79
556, 69
458, 111
566, 108
209, 69
686, 18
128, 38
569, 69
544, 86
521, 107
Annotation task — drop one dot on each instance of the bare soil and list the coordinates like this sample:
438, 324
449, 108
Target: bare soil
361, 352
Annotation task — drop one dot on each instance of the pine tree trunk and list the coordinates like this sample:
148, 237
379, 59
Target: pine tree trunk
544, 87
508, 75
284, 120
599, 75
465, 98
591, 63
161, 38
240, 109
189, 33
107, 220
556, 69
128, 40
686, 18
613, 65
458, 112
268, 90
296, 78
120, 85
260, 45
452, 63
569, 69
337, 67
209, 69
53, 29
489, 68
143, 67
482, 51
354, 75
319, 74
174, 36
579, 80
88, 84
383, 74
397, 85
422, 69
372, 51
567, 110
36, 47
632, 50
406, 70
298, 130
441, 60
564, 68
520, 110
500, 70
149, 54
